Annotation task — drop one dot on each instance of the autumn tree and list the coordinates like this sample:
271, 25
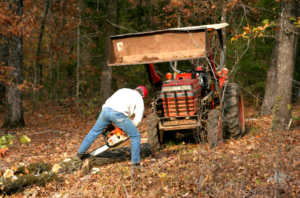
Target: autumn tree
14, 113
288, 34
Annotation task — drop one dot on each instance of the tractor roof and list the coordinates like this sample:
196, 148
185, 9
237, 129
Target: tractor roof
213, 26
172, 44
185, 29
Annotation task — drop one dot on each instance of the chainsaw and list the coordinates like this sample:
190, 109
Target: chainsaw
112, 138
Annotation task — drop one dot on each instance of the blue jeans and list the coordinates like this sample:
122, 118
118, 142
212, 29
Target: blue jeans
106, 117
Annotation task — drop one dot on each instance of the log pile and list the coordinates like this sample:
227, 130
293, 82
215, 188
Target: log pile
42, 173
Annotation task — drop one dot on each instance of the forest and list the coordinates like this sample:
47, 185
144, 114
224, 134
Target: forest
55, 77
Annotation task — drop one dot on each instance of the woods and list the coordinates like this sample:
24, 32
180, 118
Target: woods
67, 47
54, 79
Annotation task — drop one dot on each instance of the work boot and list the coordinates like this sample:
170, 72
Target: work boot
82, 156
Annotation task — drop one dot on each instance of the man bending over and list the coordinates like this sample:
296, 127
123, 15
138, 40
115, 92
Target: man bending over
118, 109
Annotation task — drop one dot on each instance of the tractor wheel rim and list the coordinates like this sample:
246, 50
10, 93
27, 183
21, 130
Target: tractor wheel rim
241, 113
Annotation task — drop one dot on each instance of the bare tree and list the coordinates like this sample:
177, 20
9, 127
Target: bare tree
106, 81
4, 54
269, 100
285, 64
14, 114
38, 66
78, 53
224, 33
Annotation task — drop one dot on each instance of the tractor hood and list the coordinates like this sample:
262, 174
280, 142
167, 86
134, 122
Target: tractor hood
180, 82
182, 85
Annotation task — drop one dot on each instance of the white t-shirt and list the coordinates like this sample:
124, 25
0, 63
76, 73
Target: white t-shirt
128, 102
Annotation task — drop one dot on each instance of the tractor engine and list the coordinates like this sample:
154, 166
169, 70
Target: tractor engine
178, 97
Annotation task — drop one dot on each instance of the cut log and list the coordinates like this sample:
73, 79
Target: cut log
34, 168
40, 174
70, 165
9, 185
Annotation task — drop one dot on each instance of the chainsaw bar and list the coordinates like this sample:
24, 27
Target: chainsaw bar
99, 150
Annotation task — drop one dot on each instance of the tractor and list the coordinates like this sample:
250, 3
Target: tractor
198, 99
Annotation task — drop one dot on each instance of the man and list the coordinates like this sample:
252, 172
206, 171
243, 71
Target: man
118, 109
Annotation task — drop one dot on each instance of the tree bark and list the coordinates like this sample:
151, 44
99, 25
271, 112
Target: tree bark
78, 53
38, 66
285, 64
106, 81
224, 33
51, 57
4, 54
14, 113
269, 99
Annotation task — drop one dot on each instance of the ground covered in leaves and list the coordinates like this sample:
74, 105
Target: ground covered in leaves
242, 168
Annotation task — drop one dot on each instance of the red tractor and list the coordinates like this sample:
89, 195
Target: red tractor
199, 98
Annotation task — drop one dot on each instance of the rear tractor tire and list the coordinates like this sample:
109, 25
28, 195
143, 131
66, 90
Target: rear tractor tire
233, 117
153, 131
213, 127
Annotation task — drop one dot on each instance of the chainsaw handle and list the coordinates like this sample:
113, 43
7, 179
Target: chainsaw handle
105, 137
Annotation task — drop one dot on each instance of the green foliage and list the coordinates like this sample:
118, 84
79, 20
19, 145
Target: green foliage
25, 139
296, 118
6, 140
251, 71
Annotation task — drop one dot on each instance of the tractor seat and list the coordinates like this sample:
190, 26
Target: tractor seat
203, 79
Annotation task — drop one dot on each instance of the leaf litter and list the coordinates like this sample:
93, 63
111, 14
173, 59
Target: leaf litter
242, 168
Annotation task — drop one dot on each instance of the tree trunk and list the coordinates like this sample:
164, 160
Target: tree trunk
285, 65
78, 53
51, 57
269, 100
4, 54
38, 66
106, 81
14, 113
224, 33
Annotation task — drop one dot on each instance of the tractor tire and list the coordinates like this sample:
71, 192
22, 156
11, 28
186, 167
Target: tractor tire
152, 129
213, 127
233, 117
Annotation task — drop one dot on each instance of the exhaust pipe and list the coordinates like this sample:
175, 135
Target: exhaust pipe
175, 70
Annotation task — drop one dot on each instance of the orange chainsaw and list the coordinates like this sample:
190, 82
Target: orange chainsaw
112, 137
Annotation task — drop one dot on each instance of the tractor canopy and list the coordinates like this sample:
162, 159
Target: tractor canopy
167, 45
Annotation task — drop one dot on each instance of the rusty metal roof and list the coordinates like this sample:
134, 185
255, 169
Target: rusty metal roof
182, 29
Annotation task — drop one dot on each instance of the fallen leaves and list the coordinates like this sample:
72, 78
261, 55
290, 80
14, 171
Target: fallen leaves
3, 151
175, 171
